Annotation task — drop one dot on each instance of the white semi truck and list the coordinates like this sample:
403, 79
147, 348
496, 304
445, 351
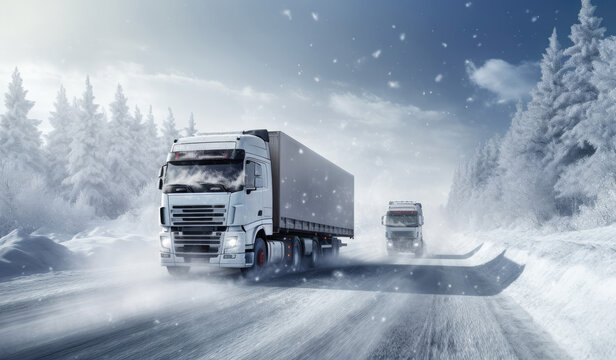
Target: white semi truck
403, 227
251, 200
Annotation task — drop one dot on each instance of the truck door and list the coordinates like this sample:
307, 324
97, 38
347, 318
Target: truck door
255, 206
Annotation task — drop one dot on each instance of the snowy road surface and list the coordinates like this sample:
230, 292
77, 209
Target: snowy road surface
444, 307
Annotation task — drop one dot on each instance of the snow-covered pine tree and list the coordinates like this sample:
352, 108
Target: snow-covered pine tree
152, 144
191, 130
477, 182
122, 157
573, 103
596, 173
137, 131
20, 139
527, 186
169, 133
88, 175
21, 157
59, 141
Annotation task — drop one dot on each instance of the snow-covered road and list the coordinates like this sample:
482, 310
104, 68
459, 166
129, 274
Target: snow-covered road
444, 307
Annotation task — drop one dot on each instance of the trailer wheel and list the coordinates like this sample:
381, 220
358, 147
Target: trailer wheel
178, 271
259, 263
296, 255
336, 249
315, 257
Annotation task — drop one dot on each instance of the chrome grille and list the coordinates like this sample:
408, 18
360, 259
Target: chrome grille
194, 242
198, 215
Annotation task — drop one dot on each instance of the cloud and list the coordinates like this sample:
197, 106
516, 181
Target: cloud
372, 110
509, 82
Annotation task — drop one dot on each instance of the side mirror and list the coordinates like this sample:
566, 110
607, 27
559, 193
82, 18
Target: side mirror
383, 220
161, 173
249, 178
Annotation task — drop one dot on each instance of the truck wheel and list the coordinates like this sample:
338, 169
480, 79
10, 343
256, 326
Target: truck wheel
178, 271
297, 255
315, 257
335, 251
259, 262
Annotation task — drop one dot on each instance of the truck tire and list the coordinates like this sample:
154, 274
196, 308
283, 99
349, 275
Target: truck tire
315, 257
260, 261
296, 255
178, 271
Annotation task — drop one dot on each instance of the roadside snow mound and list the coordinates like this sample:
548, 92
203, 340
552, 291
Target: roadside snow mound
101, 248
568, 284
22, 254
129, 239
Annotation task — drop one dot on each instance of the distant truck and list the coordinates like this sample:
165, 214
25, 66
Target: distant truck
251, 199
403, 227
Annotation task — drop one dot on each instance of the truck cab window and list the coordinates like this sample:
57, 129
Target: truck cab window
259, 179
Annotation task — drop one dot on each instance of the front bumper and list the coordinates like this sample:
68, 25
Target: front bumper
186, 250
238, 260
404, 245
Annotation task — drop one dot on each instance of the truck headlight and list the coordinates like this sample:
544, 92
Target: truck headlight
232, 244
165, 241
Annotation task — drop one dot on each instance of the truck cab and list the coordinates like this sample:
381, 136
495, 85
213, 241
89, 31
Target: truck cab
403, 227
216, 195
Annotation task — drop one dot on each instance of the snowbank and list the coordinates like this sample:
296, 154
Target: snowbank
129, 239
568, 284
22, 254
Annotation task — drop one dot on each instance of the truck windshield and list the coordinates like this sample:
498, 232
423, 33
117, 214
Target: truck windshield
402, 219
199, 176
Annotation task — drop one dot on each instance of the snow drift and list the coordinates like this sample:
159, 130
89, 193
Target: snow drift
22, 254
568, 285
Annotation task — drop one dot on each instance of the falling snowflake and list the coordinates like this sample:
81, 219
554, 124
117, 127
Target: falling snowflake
287, 13
376, 54
438, 78
315, 16
402, 36
393, 84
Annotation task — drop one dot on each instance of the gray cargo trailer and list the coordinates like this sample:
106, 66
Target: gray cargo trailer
311, 194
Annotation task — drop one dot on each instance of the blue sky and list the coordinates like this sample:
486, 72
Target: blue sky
339, 75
